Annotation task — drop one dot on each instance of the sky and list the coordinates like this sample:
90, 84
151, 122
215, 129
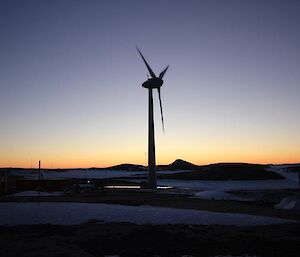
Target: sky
70, 81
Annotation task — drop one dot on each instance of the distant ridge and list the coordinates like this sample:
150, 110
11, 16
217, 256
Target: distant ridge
218, 171
189, 171
178, 164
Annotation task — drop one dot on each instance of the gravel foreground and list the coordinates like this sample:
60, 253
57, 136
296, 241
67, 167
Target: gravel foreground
127, 239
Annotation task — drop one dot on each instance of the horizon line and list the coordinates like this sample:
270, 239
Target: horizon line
93, 167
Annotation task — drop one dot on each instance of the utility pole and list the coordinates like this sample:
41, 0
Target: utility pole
39, 177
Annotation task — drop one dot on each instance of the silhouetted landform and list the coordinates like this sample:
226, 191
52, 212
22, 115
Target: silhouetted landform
226, 171
178, 165
219, 171
128, 167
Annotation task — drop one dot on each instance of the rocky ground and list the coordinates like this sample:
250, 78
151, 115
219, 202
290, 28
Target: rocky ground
125, 239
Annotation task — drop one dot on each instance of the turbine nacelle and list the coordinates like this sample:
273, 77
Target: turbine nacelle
153, 83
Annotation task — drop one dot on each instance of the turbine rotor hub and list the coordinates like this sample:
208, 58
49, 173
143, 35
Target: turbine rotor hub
153, 83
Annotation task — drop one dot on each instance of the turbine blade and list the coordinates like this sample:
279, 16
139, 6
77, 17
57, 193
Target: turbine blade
161, 111
148, 67
163, 72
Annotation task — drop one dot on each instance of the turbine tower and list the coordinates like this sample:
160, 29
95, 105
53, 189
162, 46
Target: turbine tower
152, 83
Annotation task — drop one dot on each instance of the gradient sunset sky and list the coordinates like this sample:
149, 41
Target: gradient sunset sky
70, 81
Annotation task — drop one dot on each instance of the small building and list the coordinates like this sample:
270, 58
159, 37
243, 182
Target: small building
45, 184
8, 182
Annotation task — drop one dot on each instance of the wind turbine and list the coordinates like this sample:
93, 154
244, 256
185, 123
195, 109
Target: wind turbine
152, 83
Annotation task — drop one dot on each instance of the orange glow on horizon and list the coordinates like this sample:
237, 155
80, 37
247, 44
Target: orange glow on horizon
139, 161
86, 152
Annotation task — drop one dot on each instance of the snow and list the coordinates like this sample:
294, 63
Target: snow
77, 213
219, 195
217, 190
230, 185
282, 170
86, 173
291, 180
244, 255
36, 193
289, 203
80, 174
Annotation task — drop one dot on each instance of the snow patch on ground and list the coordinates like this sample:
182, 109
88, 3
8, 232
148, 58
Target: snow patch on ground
282, 170
244, 255
230, 185
36, 193
76, 213
288, 203
219, 195
80, 174
88, 173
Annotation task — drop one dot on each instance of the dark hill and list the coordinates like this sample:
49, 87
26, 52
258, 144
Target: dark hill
182, 165
226, 171
128, 167
178, 165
